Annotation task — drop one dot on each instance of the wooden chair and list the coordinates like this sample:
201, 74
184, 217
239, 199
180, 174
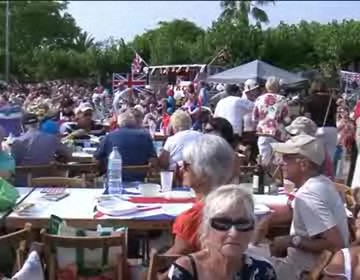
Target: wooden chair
151, 175
51, 242
159, 264
58, 182
89, 172
31, 171
19, 240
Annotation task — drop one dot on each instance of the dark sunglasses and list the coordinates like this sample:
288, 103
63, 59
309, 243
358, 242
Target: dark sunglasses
224, 224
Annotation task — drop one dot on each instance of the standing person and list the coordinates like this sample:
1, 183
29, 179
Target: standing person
271, 114
321, 107
356, 176
233, 108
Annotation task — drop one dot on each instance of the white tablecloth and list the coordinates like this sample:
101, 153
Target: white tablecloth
22, 192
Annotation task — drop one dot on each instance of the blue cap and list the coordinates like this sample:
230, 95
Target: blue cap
50, 127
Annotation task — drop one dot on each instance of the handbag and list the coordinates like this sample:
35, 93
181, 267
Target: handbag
8, 195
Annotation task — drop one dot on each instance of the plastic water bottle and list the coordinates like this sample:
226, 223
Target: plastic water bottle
114, 172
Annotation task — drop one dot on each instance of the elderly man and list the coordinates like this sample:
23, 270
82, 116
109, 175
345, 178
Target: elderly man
36, 147
134, 144
319, 220
180, 124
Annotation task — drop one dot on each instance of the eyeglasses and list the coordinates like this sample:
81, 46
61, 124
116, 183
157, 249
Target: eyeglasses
208, 130
225, 224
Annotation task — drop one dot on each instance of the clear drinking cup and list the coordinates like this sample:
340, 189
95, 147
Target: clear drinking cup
166, 178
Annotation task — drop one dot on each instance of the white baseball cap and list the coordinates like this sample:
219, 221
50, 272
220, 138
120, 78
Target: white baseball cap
83, 107
305, 145
249, 85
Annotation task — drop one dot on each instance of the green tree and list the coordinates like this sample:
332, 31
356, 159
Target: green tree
170, 43
245, 9
34, 24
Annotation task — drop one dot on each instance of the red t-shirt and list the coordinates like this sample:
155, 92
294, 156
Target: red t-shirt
187, 224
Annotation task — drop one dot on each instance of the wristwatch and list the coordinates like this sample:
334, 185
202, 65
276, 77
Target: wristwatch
295, 241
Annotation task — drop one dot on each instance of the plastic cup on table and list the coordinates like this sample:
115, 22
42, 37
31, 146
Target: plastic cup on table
166, 178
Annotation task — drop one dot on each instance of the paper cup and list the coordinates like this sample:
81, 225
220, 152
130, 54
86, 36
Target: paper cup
166, 178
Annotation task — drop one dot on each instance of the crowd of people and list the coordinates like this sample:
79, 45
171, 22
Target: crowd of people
216, 236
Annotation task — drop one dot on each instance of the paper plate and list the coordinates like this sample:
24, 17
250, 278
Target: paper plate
261, 209
116, 207
176, 209
178, 194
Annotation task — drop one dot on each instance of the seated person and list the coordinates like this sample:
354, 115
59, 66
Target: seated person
319, 220
36, 147
134, 144
83, 127
7, 162
207, 164
180, 125
227, 225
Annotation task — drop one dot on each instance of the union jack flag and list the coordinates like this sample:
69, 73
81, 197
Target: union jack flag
119, 81
136, 64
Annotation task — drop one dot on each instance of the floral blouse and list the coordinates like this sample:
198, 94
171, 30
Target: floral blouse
253, 269
271, 112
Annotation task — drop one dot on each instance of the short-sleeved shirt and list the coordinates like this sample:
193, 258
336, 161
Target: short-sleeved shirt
175, 144
69, 127
233, 109
135, 146
270, 112
186, 226
318, 207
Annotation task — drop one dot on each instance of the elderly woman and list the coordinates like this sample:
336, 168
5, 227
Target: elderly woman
180, 124
227, 226
270, 114
207, 164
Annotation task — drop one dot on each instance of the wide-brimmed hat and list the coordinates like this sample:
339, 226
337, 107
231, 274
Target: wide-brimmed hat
308, 146
302, 125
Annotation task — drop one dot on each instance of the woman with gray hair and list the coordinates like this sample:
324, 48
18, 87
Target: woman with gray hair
271, 114
207, 164
227, 226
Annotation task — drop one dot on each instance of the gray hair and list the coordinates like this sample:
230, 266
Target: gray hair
211, 157
180, 120
272, 84
126, 119
224, 199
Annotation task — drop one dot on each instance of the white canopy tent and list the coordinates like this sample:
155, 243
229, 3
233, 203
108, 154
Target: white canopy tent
257, 70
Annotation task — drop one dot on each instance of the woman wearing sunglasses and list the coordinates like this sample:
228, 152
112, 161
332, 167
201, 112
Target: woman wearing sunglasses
227, 227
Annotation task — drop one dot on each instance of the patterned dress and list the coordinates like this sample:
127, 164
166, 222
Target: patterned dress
253, 269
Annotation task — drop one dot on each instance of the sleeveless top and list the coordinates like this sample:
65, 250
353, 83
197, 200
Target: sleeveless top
253, 269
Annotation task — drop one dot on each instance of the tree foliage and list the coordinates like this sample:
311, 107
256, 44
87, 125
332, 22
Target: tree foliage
46, 43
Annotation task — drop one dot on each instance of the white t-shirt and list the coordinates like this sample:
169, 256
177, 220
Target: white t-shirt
249, 124
176, 143
233, 109
318, 207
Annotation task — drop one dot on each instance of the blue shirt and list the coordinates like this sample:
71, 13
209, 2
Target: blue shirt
135, 146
